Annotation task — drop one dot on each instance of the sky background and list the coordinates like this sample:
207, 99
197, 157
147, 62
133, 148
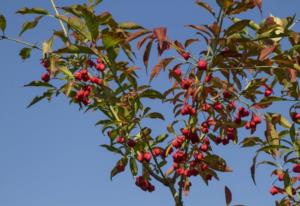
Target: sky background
50, 154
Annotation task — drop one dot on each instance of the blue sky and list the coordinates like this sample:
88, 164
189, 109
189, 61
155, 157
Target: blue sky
49, 154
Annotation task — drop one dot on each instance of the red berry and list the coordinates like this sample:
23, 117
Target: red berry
177, 72
202, 64
218, 106
120, 140
147, 156
131, 143
100, 67
280, 176
77, 76
45, 77
295, 116
140, 157
268, 92
186, 83
204, 147
186, 55
96, 80
208, 78
157, 151
296, 168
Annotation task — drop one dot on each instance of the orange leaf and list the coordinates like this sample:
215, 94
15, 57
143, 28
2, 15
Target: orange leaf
266, 52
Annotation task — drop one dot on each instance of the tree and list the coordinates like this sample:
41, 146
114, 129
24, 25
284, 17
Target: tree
229, 86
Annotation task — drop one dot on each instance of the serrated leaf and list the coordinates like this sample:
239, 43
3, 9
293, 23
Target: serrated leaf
237, 27
48, 94
26, 10
155, 115
25, 53
2, 23
30, 25
133, 167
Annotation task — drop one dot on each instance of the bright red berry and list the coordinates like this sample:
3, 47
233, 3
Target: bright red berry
202, 64
45, 77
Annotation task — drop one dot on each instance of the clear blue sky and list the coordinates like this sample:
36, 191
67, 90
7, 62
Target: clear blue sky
49, 154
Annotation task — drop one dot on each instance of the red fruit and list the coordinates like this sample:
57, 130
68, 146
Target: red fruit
206, 141
177, 72
198, 156
202, 64
186, 55
140, 157
268, 92
96, 80
218, 106
225, 141
179, 156
100, 67
120, 140
274, 190
204, 147
231, 106
77, 76
205, 107
131, 143
84, 75
157, 151
243, 112
208, 78
45, 77
186, 83
256, 119
226, 95
280, 176
238, 120
180, 171
90, 63
120, 167
176, 144
147, 156
204, 167
295, 116
218, 140
296, 168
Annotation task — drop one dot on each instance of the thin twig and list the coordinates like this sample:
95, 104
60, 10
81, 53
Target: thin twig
60, 21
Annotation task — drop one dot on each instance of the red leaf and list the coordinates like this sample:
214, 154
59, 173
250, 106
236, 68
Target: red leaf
137, 34
258, 3
161, 35
161, 65
147, 53
228, 195
266, 52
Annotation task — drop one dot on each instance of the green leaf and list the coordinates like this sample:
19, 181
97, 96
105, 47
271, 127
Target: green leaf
91, 21
48, 94
26, 10
129, 26
67, 72
2, 23
217, 163
237, 27
151, 94
155, 115
25, 53
30, 25
293, 133
111, 40
161, 138
112, 149
74, 49
251, 141
133, 167
39, 84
